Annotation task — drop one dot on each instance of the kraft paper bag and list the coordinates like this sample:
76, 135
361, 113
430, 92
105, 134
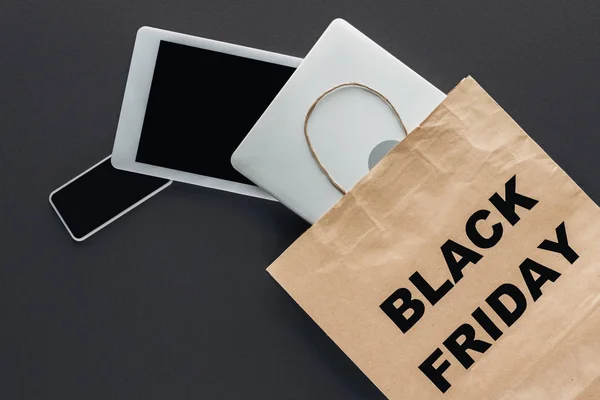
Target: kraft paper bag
465, 265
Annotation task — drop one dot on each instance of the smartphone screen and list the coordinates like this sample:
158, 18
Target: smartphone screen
99, 196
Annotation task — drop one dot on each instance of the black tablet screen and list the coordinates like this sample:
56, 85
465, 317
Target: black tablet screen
201, 105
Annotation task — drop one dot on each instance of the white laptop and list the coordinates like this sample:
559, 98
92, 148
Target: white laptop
350, 129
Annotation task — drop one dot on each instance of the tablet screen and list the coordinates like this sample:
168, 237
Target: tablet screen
201, 105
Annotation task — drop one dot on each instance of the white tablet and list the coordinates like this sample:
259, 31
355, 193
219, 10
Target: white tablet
189, 102
350, 130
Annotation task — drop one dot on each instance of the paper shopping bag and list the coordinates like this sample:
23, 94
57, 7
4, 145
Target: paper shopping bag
465, 265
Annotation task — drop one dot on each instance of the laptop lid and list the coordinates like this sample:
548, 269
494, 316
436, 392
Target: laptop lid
350, 129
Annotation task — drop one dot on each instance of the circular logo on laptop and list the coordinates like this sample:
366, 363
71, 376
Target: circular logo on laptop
380, 151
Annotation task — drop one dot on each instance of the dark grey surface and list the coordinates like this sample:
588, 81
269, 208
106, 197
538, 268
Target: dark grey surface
172, 301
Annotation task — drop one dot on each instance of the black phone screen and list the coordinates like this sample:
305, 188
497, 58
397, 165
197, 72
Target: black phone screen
99, 195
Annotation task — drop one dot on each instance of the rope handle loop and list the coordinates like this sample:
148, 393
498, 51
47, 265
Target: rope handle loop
312, 108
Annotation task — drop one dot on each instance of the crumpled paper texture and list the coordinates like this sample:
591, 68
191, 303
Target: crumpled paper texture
393, 222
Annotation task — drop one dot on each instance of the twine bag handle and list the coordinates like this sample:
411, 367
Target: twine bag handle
312, 108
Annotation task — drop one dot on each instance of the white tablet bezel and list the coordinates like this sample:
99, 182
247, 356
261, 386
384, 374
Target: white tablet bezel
135, 101
119, 215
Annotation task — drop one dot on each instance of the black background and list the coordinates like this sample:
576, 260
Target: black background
173, 301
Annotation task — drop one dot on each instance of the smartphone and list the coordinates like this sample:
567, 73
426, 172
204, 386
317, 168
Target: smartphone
99, 196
